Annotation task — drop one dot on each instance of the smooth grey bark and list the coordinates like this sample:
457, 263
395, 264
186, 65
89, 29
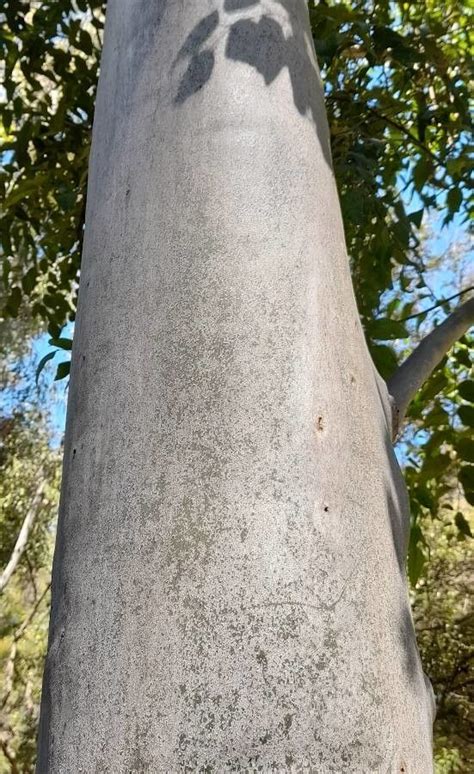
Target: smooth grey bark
229, 590
412, 374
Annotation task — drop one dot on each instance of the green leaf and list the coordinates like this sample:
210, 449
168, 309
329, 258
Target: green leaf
454, 199
24, 188
66, 198
63, 371
54, 330
466, 390
434, 465
6, 269
61, 343
437, 383
353, 206
384, 359
422, 172
416, 217
438, 416
43, 362
12, 305
466, 414
466, 477
424, 498
85, 42
28, 281
416, 556
384, 329
462, 524
465, 449
463, 358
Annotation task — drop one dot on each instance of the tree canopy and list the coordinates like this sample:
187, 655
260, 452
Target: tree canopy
396, 80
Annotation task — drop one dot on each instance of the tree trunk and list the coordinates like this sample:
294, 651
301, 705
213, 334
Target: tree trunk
229, 589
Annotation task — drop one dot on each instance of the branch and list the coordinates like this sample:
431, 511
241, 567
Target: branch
24, 533
22, 629
439, 303
10, 757
410, 376
406, 132
383, 117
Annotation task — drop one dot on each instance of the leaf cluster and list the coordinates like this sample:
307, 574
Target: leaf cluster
50, 53
396, 78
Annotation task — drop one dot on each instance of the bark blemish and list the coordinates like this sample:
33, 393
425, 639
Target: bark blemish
288, 719
319, 424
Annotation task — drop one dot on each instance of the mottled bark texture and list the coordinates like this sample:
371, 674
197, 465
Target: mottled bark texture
229, 586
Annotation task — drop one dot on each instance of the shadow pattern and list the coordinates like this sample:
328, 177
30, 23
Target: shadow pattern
264, 46
238, 5
201, 60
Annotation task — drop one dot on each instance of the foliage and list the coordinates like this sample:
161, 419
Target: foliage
444, 618
23, 638
26, 457
441, 452
396, 76
436, 447
50, 54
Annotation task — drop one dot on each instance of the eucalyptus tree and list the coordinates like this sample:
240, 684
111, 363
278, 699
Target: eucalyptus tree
396, 80
229, 589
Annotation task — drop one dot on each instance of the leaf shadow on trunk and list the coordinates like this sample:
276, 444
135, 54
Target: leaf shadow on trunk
264, 46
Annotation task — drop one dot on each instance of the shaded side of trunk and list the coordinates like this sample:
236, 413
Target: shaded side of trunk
229, 590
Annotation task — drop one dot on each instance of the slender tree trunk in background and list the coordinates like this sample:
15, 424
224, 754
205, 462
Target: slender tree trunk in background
22, 539
229, 590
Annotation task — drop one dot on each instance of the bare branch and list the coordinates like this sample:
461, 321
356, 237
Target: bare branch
411, 375
10, 757
22, 629
24, 533
437, 305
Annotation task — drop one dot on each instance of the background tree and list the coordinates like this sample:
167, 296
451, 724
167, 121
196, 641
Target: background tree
442, 604
29, 482
26, 459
